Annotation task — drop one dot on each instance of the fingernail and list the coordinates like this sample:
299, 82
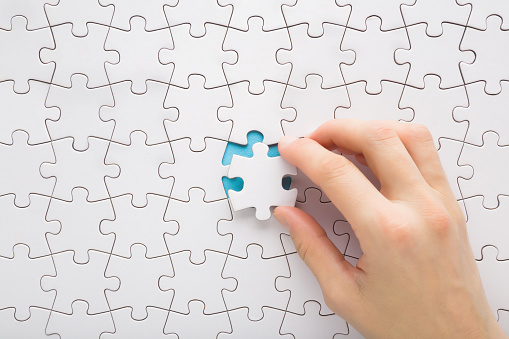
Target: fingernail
282, 220
286, 140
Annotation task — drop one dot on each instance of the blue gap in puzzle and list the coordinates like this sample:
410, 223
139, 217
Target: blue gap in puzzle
253, 137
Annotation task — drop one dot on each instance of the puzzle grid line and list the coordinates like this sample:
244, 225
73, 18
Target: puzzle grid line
90, 158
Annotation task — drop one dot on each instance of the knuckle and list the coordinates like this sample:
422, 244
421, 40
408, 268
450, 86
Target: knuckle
397, 229
420, 133
380, 132
439, 219
333, 168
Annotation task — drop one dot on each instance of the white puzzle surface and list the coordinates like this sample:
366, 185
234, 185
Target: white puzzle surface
117, 125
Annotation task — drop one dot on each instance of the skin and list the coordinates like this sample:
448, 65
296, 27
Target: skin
417, 277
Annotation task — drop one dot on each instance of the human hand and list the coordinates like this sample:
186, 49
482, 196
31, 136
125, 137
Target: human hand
417, 277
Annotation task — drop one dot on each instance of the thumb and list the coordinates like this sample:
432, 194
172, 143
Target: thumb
335, 275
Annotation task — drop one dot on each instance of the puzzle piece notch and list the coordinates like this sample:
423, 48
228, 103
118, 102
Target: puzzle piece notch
152, 11
269, 10
491, 48
482, 9
316, 14
425, 11
197, 225
20, 284
78, 106
32, 10
257, 193
210, 325
388, 11
256, 279
198, 13
312, 324
449, 153
139, 273
79, 14
267, 327
196, 112
34, 327
89, 326
135, 225
139, 50
22, 47
256, 112
127, 327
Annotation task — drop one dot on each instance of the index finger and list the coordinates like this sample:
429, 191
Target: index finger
342, 182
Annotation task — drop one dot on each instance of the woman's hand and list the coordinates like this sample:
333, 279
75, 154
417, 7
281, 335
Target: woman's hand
417, 277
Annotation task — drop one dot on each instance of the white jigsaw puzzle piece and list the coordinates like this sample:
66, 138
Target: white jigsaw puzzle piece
138, 51
139, 273
374, 55
441, 102
256, 279
20, 169
20, 284
139, 166
79, 220
25, 112
23, 48
196, 112
197, 225
255, 193
26, 225
85, 55
202, 282
79, 281
135, 225
79, 107
325, 52
313, 104
256, 50
138, 112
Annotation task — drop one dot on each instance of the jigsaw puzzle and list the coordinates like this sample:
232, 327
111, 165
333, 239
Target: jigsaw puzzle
135, 200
